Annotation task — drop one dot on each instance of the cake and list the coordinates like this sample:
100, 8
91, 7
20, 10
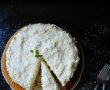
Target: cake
55, 45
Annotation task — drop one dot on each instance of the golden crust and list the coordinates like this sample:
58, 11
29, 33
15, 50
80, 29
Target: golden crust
12, 84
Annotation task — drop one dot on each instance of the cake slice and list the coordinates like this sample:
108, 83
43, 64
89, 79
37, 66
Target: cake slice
47, 80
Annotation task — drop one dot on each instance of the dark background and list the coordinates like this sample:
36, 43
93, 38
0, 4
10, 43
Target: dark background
88, 23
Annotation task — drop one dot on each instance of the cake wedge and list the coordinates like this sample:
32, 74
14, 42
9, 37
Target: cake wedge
47, 80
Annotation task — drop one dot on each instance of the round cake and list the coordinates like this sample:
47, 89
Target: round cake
38, 43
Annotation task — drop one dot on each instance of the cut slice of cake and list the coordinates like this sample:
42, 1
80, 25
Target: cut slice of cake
47, 80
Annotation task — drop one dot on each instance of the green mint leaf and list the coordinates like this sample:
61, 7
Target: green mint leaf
37, 54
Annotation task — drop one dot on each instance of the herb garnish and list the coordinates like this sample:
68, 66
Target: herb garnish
37, 54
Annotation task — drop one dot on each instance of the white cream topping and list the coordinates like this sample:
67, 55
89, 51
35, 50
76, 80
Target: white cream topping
56, 46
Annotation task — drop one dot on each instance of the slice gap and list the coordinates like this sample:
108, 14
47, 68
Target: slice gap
37, 83
56, 79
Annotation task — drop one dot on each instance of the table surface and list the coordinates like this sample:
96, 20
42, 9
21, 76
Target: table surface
89, 24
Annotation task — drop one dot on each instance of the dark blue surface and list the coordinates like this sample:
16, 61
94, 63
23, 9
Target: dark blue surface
7, 28
94, 39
